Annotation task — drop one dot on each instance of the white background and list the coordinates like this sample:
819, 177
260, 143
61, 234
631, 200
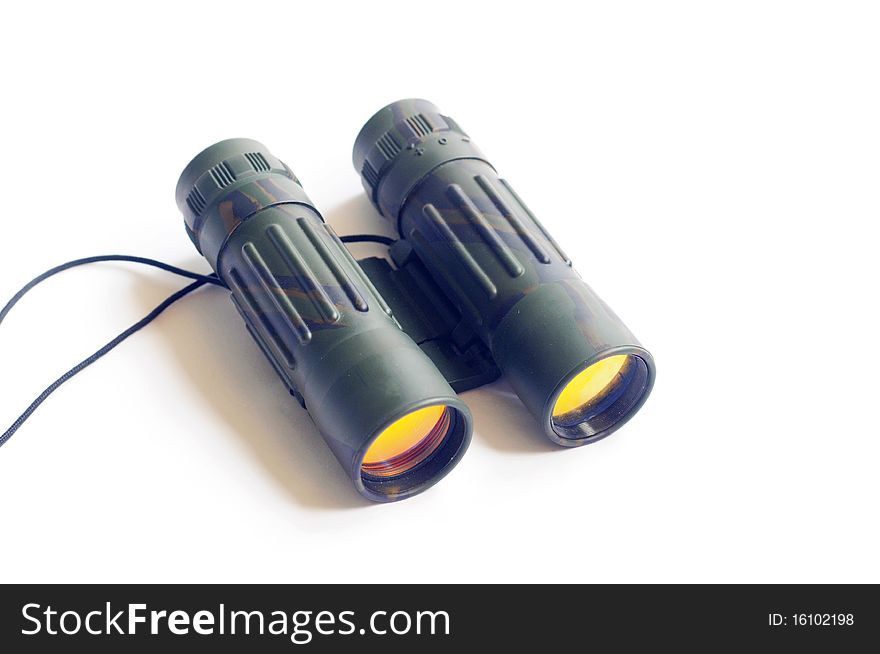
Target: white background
712, 169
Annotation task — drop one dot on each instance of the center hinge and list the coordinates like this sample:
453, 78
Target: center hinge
427, 316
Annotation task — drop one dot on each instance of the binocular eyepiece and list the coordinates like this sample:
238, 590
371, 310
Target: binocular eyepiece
481, 286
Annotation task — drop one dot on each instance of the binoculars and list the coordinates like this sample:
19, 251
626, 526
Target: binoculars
376, 350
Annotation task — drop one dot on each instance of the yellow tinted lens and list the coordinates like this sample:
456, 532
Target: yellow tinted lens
590, 385
407, 442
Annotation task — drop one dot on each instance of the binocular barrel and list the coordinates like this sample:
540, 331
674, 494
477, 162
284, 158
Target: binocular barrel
386, 412
570, 359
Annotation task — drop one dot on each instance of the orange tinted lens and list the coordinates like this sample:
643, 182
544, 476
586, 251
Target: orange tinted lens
591, 385
407, 442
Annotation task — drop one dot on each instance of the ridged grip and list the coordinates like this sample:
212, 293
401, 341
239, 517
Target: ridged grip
297, 287
480, 241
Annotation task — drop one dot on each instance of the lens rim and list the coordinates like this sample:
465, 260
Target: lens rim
576, 441
428, 472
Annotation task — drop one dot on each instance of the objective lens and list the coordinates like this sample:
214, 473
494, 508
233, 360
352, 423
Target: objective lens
590, 385
407, 442
600, 396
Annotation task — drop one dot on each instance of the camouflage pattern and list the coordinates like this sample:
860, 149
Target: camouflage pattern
513, 284
326, 331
